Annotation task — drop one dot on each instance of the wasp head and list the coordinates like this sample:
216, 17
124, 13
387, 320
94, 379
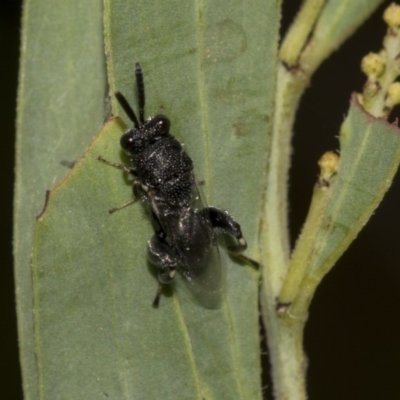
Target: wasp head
146, 134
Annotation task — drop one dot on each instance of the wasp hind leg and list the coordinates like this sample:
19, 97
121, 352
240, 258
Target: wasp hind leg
225, 223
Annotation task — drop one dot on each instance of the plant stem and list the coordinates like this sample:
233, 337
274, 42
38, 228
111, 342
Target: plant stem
285, 343
284, 337
305, 245
299, 31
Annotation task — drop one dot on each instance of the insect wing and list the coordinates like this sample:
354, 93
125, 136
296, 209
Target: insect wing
192, 238
201, 265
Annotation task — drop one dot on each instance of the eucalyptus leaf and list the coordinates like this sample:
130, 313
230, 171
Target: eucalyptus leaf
60, 108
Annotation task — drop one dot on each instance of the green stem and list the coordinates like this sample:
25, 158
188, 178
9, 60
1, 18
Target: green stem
305, 246
297, 36
284, 338
285, 343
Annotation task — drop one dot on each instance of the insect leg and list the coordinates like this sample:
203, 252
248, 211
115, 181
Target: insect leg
156, 300
162, 256
135, 186
223, 222
126, 168
128, 203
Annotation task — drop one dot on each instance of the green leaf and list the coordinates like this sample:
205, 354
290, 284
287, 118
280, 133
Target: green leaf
338, 20
369, 158
96, 332
60, 107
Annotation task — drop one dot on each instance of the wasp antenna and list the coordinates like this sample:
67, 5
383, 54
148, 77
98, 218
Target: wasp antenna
127, 108
140, 87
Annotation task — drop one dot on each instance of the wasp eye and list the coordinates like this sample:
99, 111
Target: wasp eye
162, 122
126, 141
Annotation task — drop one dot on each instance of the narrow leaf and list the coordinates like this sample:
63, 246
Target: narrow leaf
369, 158
338, 20
60, 107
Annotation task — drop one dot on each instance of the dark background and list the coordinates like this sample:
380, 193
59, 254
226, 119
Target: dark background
353, 334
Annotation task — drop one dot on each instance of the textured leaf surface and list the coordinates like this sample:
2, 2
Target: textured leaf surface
369, 158
60, 108
210, 68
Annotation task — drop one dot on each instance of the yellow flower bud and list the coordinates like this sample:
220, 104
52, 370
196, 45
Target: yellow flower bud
373, 65
392, 16
329, 164
393, 95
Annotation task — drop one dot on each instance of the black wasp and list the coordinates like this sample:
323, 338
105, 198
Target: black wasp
185, 231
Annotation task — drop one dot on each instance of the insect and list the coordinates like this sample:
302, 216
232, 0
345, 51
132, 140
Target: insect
185, 232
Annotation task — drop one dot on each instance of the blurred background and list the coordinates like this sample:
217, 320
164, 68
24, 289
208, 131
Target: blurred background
353, 334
